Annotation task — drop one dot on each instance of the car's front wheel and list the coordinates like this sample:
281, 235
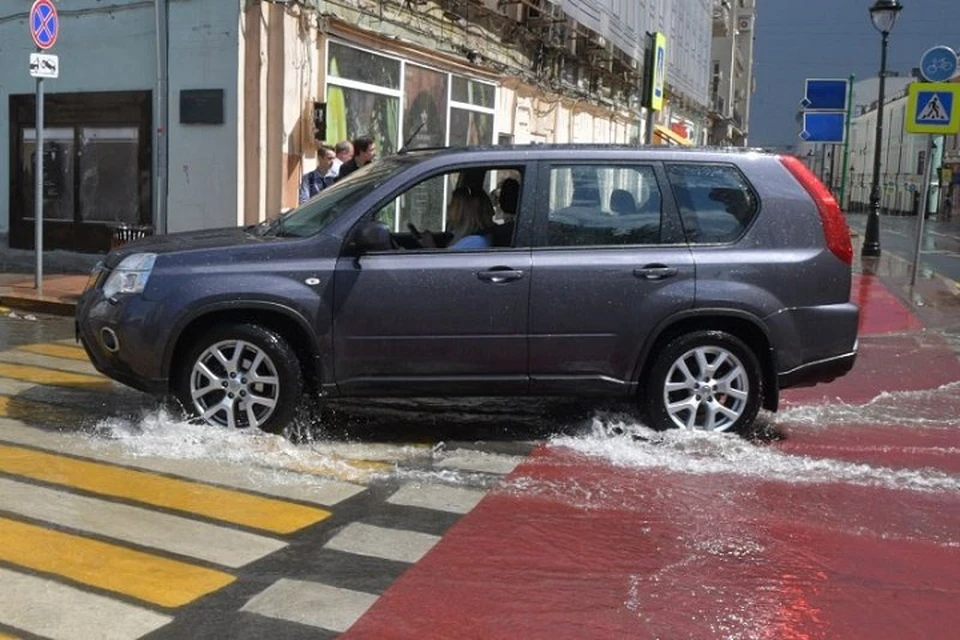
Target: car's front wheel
240, 376
706, 380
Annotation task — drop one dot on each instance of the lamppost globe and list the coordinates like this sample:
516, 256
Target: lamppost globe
883, 14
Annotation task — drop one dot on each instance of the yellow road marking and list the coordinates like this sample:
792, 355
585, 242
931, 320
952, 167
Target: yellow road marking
31, 411
4, 636
217, 503
161, 581
56, 351
54, 377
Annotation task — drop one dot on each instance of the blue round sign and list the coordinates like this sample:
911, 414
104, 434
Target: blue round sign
938, 64
44, 23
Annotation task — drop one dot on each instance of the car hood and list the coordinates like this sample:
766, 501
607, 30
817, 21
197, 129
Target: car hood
187, 241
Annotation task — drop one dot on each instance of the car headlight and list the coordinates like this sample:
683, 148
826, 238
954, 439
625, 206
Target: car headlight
131, 275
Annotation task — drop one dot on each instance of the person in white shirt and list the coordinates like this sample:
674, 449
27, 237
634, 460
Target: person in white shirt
344, 151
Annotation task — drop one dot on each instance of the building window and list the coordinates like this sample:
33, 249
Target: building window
368, 92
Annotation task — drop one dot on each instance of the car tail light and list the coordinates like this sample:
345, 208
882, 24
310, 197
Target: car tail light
835, 227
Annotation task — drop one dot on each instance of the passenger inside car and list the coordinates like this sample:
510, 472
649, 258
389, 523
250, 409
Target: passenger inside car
508, 198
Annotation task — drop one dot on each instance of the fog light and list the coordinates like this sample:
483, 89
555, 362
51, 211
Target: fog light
109, 340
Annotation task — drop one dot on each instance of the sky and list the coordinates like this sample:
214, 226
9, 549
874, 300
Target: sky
799, 39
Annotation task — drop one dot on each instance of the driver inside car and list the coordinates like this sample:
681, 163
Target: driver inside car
470, 219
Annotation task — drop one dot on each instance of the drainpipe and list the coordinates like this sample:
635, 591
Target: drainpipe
161, 104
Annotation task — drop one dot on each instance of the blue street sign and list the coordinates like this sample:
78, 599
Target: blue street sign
933, 107
44, 23
826, 126
825, 95
938, 64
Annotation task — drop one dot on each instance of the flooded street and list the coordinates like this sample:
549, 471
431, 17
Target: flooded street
482, 518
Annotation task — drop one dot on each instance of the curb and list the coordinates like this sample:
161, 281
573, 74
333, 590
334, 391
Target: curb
51, 306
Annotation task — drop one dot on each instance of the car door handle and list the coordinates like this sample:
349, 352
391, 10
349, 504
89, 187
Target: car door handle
655, 272
500, 275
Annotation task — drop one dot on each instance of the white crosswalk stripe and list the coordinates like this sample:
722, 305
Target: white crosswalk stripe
51, 610
311, 603
438, 497
381, 542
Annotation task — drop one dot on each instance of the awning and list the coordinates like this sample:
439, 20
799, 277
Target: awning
671, 137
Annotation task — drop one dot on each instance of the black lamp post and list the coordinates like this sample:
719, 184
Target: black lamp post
884, 14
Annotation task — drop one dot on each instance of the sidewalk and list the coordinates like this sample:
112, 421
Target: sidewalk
64, 276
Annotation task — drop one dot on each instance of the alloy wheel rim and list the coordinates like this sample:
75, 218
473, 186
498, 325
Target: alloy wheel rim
707, 389
234, 384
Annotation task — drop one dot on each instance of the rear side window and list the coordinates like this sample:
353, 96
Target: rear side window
716, 203
593, 205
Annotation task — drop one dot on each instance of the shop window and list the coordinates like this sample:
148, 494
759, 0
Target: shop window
469, 91
109, 178
425, 109
355, 112
470, 127
58, 173
363, 66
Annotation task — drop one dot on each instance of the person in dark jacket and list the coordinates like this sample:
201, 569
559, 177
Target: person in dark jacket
364, 151
317, 180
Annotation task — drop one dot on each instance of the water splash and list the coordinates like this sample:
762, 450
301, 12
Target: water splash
626, 443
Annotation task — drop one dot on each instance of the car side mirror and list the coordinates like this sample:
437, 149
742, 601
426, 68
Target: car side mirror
372, 236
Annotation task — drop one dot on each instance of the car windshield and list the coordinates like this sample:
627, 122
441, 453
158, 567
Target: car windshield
314, 215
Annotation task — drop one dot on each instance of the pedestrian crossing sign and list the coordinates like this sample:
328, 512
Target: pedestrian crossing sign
933, 107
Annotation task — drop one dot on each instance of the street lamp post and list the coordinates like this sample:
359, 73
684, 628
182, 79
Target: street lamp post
884, 14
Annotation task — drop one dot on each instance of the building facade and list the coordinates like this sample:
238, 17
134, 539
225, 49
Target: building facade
904, 156
731, 71
189, 114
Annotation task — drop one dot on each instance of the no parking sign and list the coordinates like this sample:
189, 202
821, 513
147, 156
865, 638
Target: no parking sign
44, 23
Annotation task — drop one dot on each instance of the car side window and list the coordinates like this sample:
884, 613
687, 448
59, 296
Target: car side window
426, 207
596, 205
716, 203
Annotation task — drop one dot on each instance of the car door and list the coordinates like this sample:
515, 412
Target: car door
609, 264
431, 321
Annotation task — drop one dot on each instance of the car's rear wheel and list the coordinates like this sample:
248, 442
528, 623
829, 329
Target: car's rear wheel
705, 380
240, 376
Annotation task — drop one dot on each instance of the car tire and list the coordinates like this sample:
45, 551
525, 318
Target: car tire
706, 380
240, 376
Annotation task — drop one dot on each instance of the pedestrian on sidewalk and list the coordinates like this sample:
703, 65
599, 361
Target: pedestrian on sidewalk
317, 180
344, 151
364, 152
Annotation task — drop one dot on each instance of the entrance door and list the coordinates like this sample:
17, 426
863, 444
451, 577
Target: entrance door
96, 174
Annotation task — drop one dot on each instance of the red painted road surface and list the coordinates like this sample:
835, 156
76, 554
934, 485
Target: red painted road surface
844, 523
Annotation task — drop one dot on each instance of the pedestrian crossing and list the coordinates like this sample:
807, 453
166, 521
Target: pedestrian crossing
96, 543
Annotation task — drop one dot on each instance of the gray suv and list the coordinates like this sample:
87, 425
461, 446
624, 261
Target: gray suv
700, 282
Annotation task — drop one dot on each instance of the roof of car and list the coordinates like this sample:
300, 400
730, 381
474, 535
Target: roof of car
580, 148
